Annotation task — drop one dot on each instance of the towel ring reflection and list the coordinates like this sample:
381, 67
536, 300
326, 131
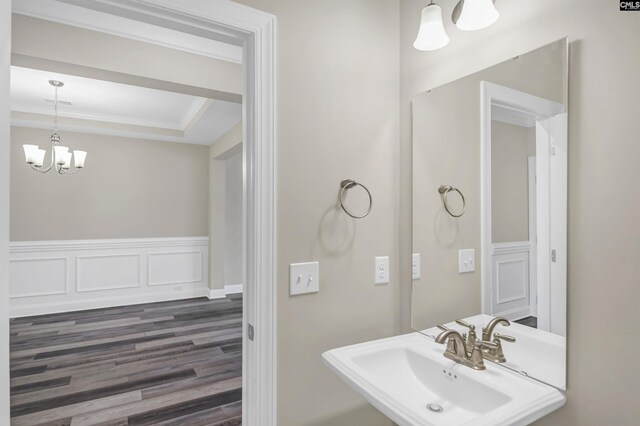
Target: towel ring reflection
444, 191
347, 184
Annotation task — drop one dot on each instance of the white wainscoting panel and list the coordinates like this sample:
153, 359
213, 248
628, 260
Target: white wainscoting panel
108, 272
175, 268
511, 279
61, 276
46, 276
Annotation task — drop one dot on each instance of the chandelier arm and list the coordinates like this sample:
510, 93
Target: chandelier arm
45, 170
37, 169
41, 170
50, 165
65, 172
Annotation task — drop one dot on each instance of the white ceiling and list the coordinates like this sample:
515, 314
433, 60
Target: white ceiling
509, 116
192, 119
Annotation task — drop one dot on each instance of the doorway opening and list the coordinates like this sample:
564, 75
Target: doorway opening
253, 32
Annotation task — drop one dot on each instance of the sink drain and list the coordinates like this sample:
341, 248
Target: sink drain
435, 408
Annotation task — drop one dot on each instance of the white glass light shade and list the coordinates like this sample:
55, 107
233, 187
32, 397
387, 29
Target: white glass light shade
30, 152
431, 35
476, 14
39, 157
67, 161
80, 156
61, 152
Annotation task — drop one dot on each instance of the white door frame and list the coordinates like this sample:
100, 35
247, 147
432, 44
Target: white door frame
505, 97
255, 31
551, 139
533, 231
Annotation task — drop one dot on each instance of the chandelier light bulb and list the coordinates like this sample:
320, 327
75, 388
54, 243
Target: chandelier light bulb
431, 35
67, 161
39, 157
30, 152
60, 153
79, 156
471, 15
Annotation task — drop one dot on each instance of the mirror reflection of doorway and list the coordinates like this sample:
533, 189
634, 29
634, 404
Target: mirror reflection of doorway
526, 269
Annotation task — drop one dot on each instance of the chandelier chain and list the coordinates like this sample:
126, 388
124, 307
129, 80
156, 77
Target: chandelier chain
55, 109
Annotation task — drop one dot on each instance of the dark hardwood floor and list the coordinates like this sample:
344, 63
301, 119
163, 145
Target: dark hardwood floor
168, 363
529, 322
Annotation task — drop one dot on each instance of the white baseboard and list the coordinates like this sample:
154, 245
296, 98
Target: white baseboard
233, 288
61, 276
83, 305
221, 293
217, 293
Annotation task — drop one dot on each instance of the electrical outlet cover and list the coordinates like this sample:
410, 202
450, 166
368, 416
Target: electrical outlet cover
466, 261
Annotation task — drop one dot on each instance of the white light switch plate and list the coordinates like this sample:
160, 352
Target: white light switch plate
382, 270
304, 278
466, 261
415, 266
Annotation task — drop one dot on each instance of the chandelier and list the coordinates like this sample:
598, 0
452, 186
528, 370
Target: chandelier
60, 155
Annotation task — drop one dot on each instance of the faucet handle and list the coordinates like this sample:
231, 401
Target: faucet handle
465, 324
443, 327
476, 360
504, 337
472, 337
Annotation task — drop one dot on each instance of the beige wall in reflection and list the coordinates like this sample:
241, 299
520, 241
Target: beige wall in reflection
511, 146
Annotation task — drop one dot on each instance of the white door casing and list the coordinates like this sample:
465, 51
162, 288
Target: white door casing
558, 170
543, 248
533, 231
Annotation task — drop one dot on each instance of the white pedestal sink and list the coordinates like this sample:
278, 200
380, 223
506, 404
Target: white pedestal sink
409, 380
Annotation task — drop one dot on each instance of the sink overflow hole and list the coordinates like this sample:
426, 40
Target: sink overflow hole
450, 375
435, 408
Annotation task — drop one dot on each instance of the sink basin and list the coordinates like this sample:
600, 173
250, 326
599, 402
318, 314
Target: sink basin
409, 380
537, 353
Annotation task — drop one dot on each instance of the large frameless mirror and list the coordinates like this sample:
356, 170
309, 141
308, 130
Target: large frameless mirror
490, 210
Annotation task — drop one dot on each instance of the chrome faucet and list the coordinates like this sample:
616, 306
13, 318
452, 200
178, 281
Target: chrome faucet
488, 330
457, 348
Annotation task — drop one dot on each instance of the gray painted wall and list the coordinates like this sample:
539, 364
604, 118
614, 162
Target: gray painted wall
130, 188
233, 221
338, 92
221, 258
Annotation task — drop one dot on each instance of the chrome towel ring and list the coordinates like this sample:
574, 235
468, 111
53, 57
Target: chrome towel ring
444, 191
347, 184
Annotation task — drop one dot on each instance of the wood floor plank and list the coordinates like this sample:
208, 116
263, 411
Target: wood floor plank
155, 404
173, 363
58, 413
66, 389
